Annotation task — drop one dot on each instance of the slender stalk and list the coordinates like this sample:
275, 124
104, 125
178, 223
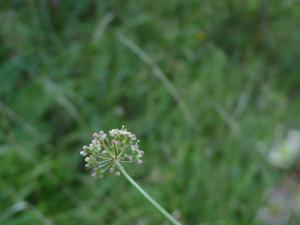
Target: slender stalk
147, 196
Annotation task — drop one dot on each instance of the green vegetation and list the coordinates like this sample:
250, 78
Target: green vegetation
207, 86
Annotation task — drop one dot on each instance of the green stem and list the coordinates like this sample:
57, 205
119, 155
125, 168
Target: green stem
147, 196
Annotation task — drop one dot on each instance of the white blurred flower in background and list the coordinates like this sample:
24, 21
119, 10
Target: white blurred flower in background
283, 200
285, 153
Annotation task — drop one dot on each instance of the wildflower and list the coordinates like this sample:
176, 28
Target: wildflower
286, 152
110, 151
105, 150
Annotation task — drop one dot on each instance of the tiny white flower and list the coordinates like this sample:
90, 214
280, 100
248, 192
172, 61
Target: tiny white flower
141, 153
95, 135
83, 153
134, 147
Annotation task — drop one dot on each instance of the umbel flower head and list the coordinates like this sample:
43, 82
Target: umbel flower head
105, 150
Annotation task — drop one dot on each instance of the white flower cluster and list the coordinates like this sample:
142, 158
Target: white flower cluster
123, 132
286, 152
105, 151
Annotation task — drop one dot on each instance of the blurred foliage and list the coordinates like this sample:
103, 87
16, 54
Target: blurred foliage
65, 72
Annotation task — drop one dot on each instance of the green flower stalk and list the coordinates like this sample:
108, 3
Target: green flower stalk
108, 153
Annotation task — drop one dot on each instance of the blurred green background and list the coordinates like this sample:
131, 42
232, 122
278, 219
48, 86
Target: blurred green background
208, 87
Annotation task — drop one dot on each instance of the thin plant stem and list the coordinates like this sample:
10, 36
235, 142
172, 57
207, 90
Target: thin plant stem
147, 196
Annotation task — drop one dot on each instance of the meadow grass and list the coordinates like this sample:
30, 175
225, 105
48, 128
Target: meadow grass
206, 85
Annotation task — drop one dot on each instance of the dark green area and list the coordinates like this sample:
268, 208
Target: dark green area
70, 68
